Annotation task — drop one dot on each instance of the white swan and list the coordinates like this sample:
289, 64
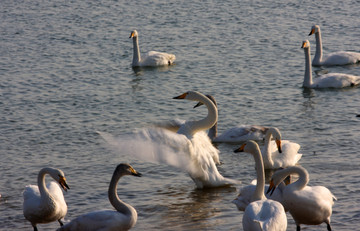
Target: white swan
281, 153
336, 58
124, 218
202, 155
152, 58
307, 205
331, 80
236, 134
262, 213
44, 204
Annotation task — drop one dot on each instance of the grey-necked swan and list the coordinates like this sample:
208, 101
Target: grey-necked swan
123, 218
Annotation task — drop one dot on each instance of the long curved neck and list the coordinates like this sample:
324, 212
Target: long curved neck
267, 156
136, 55
318, 52
303, 177
260, 184
44, 193
209, 120
114, 199
308, 75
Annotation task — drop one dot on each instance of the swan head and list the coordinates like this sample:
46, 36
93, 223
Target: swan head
59, 177
250, 147
210, 97
133, 34
314, 29
277, 178
126, 169
275, 132
305, 44
190, 95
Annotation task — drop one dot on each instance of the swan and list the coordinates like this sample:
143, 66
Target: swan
125, 216
336, 58
307, 205
331, 80
281, 153
262, 213
236, 134
44, 204
152, 58
203, 157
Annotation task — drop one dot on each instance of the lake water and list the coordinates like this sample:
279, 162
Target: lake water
66, 73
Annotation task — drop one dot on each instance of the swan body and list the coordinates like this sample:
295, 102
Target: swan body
262, 213
281, 153
331, 80
124, 218
204, 161
307, 205
236, 134
332, 59
245, 193
152, 58
45, 204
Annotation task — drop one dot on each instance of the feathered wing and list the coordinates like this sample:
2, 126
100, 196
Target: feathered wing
98, 220
336, 80
242, 133
154, 58
289, 155
341, 58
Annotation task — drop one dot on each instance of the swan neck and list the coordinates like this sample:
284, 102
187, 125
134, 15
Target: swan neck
260, 174
308, 75
44, 193
208, 121
213, 132
114, 199
267, 152
303, 179
318, 52
136, 55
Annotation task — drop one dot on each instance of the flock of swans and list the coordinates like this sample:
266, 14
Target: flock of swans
264, 206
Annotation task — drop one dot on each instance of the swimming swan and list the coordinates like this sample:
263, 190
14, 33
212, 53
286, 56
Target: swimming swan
331, 80
281, 153
202, 154
307, 205
262, 213
124, 218
152, 58
44, 204
236, 134
336, 58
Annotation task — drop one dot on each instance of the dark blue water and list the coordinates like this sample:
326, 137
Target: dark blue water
66, 73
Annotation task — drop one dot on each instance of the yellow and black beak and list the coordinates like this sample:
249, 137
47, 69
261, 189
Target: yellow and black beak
63, 184
132, 34
135, 173
241, 149
303, 45
181, 96
278, 144
312, 31
272, 188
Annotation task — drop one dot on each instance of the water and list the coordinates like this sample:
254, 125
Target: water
65, 74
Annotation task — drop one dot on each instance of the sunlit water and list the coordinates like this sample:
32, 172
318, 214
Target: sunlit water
65, 74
